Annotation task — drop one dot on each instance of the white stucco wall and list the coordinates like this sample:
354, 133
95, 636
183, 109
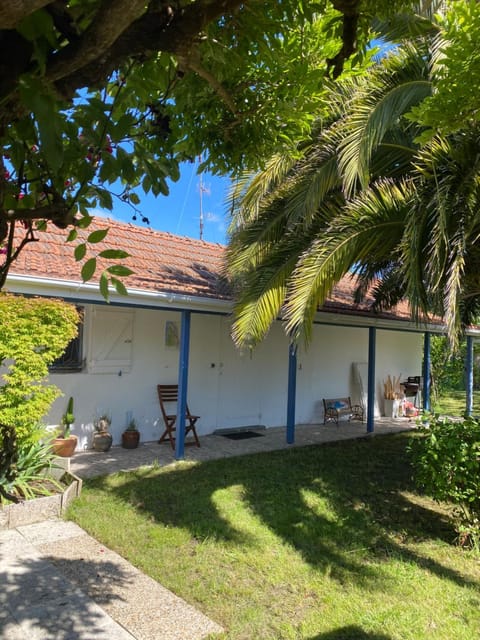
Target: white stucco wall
227, 388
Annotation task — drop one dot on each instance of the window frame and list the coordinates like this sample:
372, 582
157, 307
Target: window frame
68, 363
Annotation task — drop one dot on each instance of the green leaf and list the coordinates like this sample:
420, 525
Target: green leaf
104, 286
80, 251
119, 270
97, 236
36, 25
114, 254
134, 199
105, 199
84, 222
88, 269
119, 286
123, 126
50, 122
72, 235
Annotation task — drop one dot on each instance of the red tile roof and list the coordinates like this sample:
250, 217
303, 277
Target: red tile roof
161, 262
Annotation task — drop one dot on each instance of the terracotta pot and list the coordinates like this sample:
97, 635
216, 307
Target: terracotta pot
130, 439
64, 447
102, 441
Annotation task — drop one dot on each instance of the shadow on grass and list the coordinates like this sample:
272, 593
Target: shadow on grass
349, 633
362, 483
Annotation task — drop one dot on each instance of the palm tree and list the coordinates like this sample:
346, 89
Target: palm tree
364, 198
281, 216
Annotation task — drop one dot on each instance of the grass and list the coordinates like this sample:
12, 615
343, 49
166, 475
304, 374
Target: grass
453, 402
327, 542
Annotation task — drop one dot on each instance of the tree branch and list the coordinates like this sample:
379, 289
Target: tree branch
351, 14
159, 29
195, 65
111, 20
60, 213
12, 12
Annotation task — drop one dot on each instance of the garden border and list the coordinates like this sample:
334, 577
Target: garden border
39, 509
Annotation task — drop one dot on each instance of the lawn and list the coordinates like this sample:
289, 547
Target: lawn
328, 542
453, 403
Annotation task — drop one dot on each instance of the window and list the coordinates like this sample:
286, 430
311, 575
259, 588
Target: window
72, 358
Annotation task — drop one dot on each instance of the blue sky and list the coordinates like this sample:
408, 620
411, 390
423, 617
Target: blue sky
179, 212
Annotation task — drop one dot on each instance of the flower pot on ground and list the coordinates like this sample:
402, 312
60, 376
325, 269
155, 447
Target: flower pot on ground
131, 436
65, 443
64, 446
102, 438
391, 407
392, 394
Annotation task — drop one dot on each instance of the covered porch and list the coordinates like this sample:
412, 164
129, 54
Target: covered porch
92, 463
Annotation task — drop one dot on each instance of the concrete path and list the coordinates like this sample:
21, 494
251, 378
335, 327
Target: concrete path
57, 582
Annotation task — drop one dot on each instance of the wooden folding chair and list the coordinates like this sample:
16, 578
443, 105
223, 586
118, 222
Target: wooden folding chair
168, 395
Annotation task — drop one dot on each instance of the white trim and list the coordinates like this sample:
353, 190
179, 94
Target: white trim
351, 320
88, 292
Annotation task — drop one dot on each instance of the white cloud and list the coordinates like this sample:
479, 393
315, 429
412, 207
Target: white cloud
102, 213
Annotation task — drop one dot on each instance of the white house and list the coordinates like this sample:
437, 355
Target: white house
176, 321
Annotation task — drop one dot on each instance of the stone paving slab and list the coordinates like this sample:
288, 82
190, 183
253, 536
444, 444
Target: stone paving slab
38, 602
58, 582
89, 464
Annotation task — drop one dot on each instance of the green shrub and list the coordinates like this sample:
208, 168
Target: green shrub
32, 475
446, 460
33, 333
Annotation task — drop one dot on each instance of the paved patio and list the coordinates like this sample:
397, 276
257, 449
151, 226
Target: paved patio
94, 463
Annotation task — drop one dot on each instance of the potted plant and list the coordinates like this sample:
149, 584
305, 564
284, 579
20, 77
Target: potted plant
131, 436
102, 438
65, 443
392, 395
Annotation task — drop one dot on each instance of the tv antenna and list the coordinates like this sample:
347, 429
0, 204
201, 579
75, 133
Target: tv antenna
203, 189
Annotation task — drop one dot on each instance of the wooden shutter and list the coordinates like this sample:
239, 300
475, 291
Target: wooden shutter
111, 343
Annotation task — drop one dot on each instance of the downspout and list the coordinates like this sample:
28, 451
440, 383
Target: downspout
292, 389
372, 336
426, 371
182, 385
469, 376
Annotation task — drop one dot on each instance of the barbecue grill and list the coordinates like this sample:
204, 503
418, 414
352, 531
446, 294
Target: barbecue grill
411, 386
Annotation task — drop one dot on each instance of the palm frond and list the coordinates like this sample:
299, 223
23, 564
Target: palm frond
388, 92
419, 22
249, 189
369, 228
261, 291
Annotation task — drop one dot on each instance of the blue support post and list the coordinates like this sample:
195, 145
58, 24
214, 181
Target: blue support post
469, 376
182, 385
372, 337
292, 389
426, 371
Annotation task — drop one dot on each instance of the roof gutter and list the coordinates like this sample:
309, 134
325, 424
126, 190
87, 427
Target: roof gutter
90, 292
337, 318
360, 321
